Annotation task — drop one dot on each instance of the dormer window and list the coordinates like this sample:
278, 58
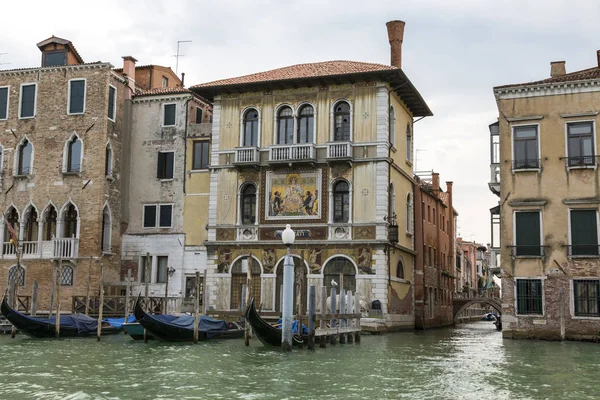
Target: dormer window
52, 58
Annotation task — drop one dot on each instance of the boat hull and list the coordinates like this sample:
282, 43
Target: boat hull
264, 331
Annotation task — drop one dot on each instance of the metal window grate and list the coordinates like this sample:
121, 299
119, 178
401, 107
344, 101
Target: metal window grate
586, 294
17, 274
529, 296
66, 276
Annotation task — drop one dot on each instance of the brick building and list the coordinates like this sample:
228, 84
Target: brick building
434, 263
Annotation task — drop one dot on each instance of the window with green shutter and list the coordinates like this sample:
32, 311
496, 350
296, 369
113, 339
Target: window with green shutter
527, 234
584, 233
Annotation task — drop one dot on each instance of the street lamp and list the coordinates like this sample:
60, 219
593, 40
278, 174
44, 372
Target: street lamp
287, 237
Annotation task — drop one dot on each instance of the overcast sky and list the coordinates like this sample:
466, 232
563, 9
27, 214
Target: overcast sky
454, 52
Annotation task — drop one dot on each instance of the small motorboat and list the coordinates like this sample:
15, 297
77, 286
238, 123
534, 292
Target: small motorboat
490, 317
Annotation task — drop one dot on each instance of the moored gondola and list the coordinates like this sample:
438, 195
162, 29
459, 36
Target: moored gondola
70, 325
181, 329
265, 332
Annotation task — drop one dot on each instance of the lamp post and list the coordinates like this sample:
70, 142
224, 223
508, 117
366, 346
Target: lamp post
287, 236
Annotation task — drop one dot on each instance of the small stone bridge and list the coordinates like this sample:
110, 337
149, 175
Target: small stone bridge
461, 304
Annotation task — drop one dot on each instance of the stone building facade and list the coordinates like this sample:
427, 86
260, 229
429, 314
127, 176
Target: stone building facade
434, 241
549, 201
327, 148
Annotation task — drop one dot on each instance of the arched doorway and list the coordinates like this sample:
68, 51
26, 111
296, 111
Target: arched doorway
239, 275
332, 271
299, 273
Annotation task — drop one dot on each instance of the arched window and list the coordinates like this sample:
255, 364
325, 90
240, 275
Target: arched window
285, 126
12, 219
25, 153
341, 202
408, 142
108, 161
66, 276
392, 126
341, 117
106, 230
250, 128
306, 124
400, 270
248, 203
239, 274
408, 214
74, 155
16, 274
332, 271
49, 230
70, 221
31, 225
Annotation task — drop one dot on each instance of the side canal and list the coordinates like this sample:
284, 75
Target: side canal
468, 362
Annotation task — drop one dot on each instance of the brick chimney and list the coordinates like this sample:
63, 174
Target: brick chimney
129, 72
435, 181
396, 36
598, 57
557, 68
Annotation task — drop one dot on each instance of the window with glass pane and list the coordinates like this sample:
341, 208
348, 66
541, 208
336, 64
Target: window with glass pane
341, 117
584, 233
112, 94
169, 115
162, 268
165, 165
586, 293
77, 96
200, 154
337, 266
250, 128
149, 216
529, 296
285, 126
70, 222
392, 126
27, 101
408, 142
24, 165
166, 212
400, 270
527, 229
249, 205
106, 231
198, 115
74, 155
3, 102
525, 147
581, 144
50, 224
341, 202
108, 161
55, 58
306, 125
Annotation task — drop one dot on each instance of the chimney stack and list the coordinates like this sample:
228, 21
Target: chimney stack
129, 72
396, 36
598, 57
435, 182
557, 68
182, 79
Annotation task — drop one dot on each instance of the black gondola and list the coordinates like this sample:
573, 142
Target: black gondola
264, 331
181, 329
70, 325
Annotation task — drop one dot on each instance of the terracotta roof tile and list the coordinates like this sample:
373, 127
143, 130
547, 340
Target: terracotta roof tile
170, 90
299, 71
590, 73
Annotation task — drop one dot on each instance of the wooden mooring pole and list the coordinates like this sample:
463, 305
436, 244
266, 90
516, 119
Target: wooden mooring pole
204, 291
342, 323
357, 320
349, 322
58, 284
323, 324
242, 306
34, 298
101, 305
11, 300
333, 310
299, 282
127, 290
197, 307
146, 282
312, 307
87, 293
52, 289
247, 330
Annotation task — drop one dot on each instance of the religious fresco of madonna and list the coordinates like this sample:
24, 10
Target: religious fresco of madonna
293, 195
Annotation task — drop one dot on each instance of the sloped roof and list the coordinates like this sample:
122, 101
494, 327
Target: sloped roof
586, 74
170, 90
64, 42
320, 73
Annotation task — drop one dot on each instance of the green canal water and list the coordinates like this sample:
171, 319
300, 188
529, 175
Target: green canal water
468, 362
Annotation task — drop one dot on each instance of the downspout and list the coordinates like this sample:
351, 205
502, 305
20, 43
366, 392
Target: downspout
185, 129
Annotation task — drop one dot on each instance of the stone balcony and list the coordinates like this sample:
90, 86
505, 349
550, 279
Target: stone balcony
44, 249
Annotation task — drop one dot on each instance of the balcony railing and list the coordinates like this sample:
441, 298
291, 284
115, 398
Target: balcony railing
30, 248
295, 152
581, 161
528, 251
530, 163
246, 155
9, 249
583, 250
66, 247
339, 150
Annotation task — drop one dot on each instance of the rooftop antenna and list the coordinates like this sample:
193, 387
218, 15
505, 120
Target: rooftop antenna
1, 63
179, 55
417, 156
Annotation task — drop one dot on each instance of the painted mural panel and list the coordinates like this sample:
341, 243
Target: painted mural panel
293, 195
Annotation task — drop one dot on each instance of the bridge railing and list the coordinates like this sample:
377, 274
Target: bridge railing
472, 294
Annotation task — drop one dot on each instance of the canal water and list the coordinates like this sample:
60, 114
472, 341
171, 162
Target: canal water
468, 362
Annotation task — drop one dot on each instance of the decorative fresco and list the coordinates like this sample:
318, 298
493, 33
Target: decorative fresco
293, 195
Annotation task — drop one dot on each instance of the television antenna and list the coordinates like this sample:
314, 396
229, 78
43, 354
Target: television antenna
179, 55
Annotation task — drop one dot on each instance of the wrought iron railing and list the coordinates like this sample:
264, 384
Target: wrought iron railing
581, 161
589, 250
529, 163
528, 250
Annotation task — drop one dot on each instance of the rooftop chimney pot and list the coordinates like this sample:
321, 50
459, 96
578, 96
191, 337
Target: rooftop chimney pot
129, 73
396, 36
598, 57
557, 68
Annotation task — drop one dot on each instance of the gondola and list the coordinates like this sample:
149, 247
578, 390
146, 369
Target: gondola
70, 325
264, 331
181, 329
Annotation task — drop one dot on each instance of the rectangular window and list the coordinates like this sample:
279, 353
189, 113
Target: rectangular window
581, 144
169, 115
76, 96
165, 165
112, 99
55, 58
27, 103
166, 216
191, 287
149, 216
529, 296
200, 154
428, 213
198, 115
434, 217
162, 269
525, 147
586, 295
423, 210
584, 233
527, 234
4, 102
